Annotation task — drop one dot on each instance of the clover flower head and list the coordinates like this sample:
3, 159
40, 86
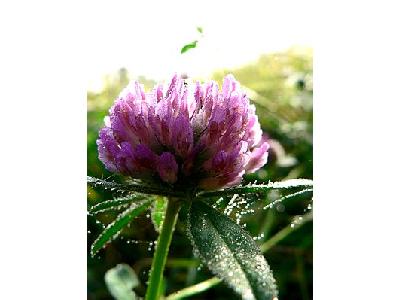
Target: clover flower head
186, 135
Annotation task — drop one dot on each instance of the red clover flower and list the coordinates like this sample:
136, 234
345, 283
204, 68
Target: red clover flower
188, 135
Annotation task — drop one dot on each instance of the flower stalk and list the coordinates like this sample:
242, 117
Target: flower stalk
162, 248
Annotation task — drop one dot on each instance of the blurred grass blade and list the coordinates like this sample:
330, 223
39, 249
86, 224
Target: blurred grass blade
285, 232
258, 188
158, 212
230, 253
114, 228
194, 289
117, 203
189, 46
129, 188
120, 281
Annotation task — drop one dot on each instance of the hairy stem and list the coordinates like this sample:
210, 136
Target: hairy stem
161, 253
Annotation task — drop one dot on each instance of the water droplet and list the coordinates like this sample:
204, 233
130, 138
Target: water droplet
280, 207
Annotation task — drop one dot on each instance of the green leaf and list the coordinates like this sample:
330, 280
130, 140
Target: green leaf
273, 203
158, 212
97, 182
120, 281
117, 203
199, 29
189, 46
258, 188
133, 187
114, 228
230, 253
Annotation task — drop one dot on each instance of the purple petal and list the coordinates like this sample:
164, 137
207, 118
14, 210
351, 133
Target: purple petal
182, 136
229, 85
258, 158
144, 159
167, 167
108, 149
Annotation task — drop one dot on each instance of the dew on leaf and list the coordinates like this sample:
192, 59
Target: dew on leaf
280, 207
218, 202
230, 253
296, 221
258, 237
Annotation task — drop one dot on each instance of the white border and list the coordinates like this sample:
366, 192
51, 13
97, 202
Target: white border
43, 144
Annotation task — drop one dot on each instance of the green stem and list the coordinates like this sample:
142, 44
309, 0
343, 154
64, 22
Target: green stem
161, 253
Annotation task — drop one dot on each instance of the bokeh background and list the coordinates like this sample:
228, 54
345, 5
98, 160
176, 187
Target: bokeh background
258, 47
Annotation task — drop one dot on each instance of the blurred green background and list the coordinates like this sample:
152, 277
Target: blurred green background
280, 85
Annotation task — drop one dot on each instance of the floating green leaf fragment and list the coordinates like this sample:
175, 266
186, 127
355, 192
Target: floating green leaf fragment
189, 46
